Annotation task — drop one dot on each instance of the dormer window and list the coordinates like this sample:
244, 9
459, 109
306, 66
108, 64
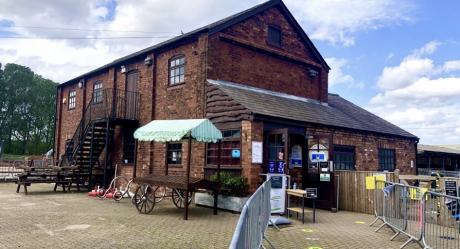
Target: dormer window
274, 36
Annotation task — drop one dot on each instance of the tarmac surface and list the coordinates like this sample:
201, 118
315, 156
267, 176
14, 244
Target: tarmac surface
47, 219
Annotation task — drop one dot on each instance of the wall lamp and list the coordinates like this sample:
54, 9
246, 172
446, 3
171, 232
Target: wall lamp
80, 84
123, 69
312, 73
148, 61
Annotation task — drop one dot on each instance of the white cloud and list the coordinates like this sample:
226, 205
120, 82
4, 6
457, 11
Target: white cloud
336, 75
451, 66
389, 56
417, 96
339, 22
409, 70
428, 49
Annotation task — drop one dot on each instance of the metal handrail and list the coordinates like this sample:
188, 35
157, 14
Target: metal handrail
112, 104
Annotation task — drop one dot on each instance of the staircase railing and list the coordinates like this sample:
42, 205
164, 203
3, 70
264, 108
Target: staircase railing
106, 104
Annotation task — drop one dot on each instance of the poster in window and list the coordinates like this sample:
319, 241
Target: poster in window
256, 152
174, 156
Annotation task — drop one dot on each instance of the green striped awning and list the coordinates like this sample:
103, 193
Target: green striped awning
174, 130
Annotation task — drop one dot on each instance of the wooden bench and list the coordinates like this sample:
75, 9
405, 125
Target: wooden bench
27, 183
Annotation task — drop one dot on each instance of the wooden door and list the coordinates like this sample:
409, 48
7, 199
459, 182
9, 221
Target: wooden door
276, 151
320, 153
131, 95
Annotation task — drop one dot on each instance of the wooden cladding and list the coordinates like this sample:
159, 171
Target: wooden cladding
220, 108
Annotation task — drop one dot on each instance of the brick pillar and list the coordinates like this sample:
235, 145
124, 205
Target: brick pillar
251, 131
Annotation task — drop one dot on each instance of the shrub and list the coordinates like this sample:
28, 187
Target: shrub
238, 185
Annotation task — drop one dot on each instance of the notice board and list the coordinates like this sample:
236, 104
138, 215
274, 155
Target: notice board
278, 192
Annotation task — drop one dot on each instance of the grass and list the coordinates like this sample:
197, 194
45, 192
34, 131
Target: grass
15, 157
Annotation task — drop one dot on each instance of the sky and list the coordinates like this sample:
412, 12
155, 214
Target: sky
399, 59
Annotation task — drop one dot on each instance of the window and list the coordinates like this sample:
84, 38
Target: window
177, 70
128, 146
72, 94
97, 92
274, 36
174, 153
231, 141
344, 157
386, 159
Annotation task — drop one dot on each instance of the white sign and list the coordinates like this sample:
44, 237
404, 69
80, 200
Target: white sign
256, 152
278, 193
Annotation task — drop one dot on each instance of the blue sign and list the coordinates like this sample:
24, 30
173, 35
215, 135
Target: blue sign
296, 162
280, 167
271, 167
235, 153
316, 157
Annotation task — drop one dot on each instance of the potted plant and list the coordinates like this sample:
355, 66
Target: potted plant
232, 193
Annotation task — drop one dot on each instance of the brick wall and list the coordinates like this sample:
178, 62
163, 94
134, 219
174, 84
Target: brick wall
251, 131
240, 54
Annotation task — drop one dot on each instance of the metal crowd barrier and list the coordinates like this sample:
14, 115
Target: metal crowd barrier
253, 223
378, 201
9, 169
424, 216
440, 222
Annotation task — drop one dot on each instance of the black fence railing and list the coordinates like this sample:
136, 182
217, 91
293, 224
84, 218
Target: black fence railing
106, 104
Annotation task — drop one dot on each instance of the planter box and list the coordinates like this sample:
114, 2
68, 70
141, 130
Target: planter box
234, 204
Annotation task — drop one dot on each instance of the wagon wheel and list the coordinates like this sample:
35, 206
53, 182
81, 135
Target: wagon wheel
144, 198
160, 193
178, 196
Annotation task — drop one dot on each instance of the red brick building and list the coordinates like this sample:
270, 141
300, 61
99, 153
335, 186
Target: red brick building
257, 76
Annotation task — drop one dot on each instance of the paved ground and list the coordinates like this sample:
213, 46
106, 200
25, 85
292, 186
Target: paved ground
47, 219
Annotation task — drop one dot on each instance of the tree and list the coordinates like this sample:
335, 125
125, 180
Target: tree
27, 103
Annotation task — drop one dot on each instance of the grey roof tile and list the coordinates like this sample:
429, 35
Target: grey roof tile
338, 112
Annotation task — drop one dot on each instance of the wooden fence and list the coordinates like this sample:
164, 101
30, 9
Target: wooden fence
353, 193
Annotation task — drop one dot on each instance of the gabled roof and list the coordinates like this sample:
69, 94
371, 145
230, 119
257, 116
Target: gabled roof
213, 28
337, 113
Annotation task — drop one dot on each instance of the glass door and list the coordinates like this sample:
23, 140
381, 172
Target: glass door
277, 142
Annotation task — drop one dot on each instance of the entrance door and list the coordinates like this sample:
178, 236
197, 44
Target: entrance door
276, 154
318, 173
131, 95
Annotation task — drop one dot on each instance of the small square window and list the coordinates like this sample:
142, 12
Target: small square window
174, 153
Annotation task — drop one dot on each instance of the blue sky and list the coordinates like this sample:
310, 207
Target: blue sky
397, 58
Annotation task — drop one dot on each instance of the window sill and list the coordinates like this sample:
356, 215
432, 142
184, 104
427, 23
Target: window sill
97, 103
276, 45
71, 109
176, 86
224, 167
128, 164
175, 166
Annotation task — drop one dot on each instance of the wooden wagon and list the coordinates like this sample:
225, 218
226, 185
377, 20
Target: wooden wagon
198, 130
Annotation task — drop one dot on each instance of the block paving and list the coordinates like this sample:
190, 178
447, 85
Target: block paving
47, 219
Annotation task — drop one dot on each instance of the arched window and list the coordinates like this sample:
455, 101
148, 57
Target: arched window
177, 70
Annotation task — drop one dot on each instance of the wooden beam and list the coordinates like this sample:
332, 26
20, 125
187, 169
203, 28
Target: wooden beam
417, 177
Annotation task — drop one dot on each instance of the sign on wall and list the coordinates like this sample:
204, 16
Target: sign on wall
257, 152
451, 188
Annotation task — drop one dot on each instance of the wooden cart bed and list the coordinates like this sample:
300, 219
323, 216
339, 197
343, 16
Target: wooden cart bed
178, 182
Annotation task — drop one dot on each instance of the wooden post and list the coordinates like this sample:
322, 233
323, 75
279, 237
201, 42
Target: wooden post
106, 158
218, 176
135, 159
187, 180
